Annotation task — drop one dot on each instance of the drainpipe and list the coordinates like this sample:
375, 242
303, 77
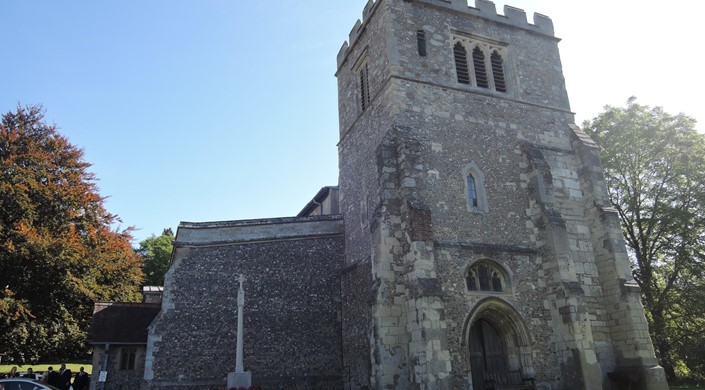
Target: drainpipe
320, 206
104, 365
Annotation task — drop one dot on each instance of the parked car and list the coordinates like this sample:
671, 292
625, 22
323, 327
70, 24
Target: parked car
34, 375
24, 384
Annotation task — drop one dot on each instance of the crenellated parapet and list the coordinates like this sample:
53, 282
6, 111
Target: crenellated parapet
357, 28
542, 24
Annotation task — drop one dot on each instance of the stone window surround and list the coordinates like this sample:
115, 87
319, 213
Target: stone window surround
495, 266
488, 47
473, 170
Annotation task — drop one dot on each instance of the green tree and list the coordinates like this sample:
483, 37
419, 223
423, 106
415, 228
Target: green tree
156, 252
58, 252
655, 171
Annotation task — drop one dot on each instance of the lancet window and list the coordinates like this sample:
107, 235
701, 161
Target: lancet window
475, 194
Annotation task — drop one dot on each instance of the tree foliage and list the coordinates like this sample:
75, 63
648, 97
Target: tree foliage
58, 252
655, 171
156, 253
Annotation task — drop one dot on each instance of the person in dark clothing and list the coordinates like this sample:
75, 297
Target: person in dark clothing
81, 380
66, 375
29, 374
54, 378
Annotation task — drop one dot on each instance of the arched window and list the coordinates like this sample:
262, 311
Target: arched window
500, 84
478, 62
485, 276
475, 195
421, 42
461, 63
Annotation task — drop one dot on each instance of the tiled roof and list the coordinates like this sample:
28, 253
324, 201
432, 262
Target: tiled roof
125, 323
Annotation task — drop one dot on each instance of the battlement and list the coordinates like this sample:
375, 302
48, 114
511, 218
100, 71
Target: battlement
483, 8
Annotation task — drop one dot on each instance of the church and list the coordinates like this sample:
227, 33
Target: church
469, 243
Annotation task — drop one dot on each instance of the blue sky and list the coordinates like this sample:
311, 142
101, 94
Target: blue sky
224, 109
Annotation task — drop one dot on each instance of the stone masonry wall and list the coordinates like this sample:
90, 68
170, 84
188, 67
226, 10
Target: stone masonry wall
292, 328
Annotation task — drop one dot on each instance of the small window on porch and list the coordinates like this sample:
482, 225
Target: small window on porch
127, 359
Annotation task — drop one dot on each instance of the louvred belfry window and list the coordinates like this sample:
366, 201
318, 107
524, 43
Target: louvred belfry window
478, 62
461, 63
486, 66
364, 87
498, 72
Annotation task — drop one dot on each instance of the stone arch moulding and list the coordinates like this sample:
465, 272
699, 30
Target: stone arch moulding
511, 327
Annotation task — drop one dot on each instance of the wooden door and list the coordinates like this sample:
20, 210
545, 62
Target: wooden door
485, 352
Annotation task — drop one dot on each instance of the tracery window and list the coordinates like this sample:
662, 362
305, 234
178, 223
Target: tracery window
486, 68
485, 276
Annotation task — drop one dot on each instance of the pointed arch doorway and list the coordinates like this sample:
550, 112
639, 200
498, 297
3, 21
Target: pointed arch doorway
486, 353
497, 341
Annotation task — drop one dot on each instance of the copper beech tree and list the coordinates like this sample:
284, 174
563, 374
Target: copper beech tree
58, 251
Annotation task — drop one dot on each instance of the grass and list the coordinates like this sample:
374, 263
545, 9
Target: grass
40, 368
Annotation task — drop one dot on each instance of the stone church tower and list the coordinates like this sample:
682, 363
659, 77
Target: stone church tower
479, 240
